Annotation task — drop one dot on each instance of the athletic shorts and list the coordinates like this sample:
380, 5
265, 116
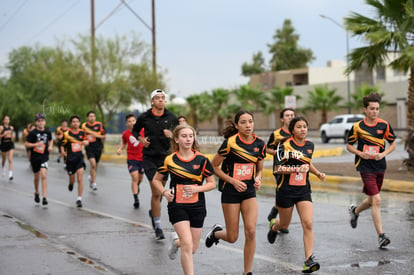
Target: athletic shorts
196, 216
36, 165
227, 197
151, 165
73, 166
372, 183
135, 165
93, 153
6, 146
283, 202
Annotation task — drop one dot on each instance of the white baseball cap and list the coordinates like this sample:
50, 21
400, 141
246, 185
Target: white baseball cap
156, 92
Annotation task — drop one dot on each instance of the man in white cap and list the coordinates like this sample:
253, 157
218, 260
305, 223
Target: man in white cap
158, 124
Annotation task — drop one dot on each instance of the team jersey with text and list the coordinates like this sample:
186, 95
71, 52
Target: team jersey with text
133, 152
8, 131
60, 130
96, 127
187, 172
371, 139
72, 142
277, 136
240, 161
39, 153
290, 154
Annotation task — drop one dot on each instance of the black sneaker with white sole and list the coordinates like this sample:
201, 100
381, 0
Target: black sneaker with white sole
383, 240
353, 216
159, 235
211, 239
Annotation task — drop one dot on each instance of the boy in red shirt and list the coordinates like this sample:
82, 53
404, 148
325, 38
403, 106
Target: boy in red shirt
134, 156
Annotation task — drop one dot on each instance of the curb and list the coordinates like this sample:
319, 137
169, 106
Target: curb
339, 182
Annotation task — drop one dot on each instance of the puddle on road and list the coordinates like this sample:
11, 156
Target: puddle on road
31, 229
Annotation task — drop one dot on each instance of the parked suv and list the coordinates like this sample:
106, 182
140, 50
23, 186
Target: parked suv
338, 127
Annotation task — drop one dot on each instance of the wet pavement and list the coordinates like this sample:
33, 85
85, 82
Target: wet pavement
108, 236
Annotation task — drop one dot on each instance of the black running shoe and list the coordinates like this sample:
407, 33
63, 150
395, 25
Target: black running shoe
383, 240
210, 239
310, 265
353, 217
271, 235
79, 203
70, 187
136, 203
36, 198
284, 230
273, 214
152, 218
44, 201
159, 235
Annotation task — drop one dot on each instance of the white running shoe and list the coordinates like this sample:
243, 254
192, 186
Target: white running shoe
94, 187
172, 248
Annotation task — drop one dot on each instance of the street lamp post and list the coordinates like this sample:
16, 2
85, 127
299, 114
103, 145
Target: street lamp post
348, 80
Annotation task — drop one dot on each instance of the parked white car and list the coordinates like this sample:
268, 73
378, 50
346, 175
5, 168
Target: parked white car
338, 127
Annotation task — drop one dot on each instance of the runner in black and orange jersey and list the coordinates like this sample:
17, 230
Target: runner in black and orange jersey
186, 202
370, 135
26, 131
95, 132
241, 158
7, 146
286, 115
293, 163
134, 156
72, 143
39, 141
59, 136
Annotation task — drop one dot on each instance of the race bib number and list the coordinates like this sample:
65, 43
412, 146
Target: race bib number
297, 179
76, 147
8, 134
371, 150
243, 171
40, 149
185, 197
91, 138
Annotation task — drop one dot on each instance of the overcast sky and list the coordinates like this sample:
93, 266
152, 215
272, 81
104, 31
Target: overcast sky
201, 44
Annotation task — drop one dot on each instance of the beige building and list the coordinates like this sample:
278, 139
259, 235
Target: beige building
392, 83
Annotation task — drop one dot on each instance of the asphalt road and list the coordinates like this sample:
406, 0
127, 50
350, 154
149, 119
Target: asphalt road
108, 236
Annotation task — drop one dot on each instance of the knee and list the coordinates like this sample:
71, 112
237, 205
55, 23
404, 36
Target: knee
250, 233
307, 225
376, 201
186, 246
232, 237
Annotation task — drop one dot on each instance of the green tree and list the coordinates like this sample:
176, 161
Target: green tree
360, 93
256, 67
275, 100
389, 30
219, 107
286, 54
249, 98
322, 99
198, 108
118, 79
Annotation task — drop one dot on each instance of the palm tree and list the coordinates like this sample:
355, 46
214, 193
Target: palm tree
275, 100
390, 30
249, 98
360, 93
322, 99
218, 109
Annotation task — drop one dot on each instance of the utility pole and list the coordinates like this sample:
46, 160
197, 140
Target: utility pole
348, 81
154, 45
93, 52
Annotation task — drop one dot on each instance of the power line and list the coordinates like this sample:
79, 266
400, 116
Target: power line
136, 15
60, 16
13, 15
